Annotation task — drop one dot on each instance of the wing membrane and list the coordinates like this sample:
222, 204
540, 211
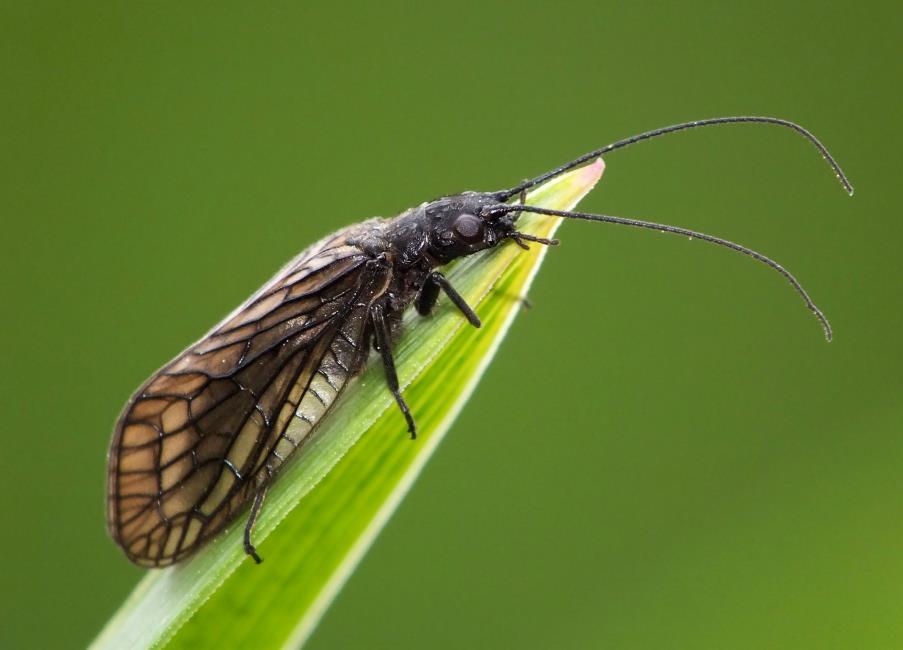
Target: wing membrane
208, 429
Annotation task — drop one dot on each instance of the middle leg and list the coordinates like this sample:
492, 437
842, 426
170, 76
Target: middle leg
384, 346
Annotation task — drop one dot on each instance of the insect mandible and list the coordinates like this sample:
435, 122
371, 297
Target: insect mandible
207, 433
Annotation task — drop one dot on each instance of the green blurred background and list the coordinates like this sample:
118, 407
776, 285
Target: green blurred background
666, 453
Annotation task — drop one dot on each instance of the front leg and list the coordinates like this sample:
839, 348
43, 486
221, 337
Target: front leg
430, 293
384, 346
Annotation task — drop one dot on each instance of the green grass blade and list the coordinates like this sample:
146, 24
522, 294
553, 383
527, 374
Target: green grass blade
350, 478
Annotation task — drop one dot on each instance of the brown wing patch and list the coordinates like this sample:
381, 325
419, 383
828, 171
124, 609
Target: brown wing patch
210, 427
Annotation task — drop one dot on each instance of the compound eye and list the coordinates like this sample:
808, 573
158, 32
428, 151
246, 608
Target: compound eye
469, 228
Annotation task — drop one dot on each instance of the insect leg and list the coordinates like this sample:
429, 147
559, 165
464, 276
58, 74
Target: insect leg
252, 518
384, 345
442, 282
429, 293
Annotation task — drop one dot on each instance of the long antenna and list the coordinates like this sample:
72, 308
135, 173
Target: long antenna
493, 210
504, 195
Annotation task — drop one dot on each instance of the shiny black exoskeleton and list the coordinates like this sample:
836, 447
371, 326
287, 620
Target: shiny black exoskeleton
414, 244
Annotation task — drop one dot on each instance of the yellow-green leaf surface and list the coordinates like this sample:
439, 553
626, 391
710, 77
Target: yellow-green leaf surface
331, 501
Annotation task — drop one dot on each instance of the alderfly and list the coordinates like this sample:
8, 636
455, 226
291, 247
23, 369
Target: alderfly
207, 433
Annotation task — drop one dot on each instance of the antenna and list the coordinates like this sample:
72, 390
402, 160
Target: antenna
494, 210
504, 195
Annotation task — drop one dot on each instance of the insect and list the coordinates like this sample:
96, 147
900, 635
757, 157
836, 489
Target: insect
208, 432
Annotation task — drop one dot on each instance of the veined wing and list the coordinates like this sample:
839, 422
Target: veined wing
209, 428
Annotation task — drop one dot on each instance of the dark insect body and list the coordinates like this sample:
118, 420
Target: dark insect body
206, 434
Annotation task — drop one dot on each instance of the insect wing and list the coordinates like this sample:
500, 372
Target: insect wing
202, 434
